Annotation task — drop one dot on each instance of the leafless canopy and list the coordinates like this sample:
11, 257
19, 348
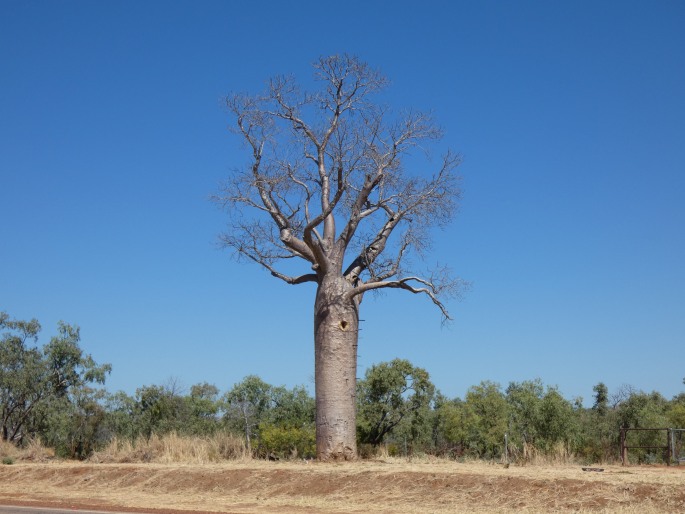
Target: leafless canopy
328, 182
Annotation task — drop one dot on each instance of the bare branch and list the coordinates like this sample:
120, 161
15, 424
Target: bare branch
416, 203
439, 285
403, 284
317, 158
265, 261
309, 277
259, 245
391, 267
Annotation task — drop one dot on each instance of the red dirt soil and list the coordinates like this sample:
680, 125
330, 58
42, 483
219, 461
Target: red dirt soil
299, 488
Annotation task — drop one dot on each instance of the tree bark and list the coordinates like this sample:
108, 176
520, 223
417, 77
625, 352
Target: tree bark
336, 325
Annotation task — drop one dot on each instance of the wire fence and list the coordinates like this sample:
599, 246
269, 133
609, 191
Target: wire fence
677, 436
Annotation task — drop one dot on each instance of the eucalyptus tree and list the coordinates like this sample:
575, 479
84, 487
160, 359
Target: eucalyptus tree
32, 378
341, 184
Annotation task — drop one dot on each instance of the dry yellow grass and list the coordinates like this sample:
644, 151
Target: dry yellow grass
173, 448
33, 451
388, 486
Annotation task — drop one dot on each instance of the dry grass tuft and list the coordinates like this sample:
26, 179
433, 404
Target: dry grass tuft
174, 449
33, 451
8, 452
528, 454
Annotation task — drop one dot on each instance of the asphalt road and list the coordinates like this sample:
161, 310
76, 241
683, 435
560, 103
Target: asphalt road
5, 509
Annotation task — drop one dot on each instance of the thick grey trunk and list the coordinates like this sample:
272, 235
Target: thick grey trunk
336, 324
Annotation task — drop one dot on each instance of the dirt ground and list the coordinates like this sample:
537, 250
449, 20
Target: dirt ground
385, 487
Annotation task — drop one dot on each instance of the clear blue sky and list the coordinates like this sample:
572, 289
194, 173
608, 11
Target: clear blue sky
570, 117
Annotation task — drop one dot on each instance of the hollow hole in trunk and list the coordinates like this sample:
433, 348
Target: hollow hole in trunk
343, 324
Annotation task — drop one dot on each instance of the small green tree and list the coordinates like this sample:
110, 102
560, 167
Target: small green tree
292, 407
601, 405
676, 411
524, 399
246, 405
643, 410
456, 428
22, 375
557, 422
486, 413
288, 429
393, 392
202, 408
30, 378
160, 409
599, 429
121, 416
540, 417
75, 425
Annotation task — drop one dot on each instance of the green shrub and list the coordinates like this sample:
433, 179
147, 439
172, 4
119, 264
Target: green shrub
287, 442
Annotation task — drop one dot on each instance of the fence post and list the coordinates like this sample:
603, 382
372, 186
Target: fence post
506, 448
624, 450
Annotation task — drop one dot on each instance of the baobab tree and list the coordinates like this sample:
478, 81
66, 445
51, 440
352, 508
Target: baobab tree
327, 185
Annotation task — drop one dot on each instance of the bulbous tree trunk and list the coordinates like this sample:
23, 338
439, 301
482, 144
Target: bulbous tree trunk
336, 326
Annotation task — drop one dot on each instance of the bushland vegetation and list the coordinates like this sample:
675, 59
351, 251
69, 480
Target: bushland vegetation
53, 403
